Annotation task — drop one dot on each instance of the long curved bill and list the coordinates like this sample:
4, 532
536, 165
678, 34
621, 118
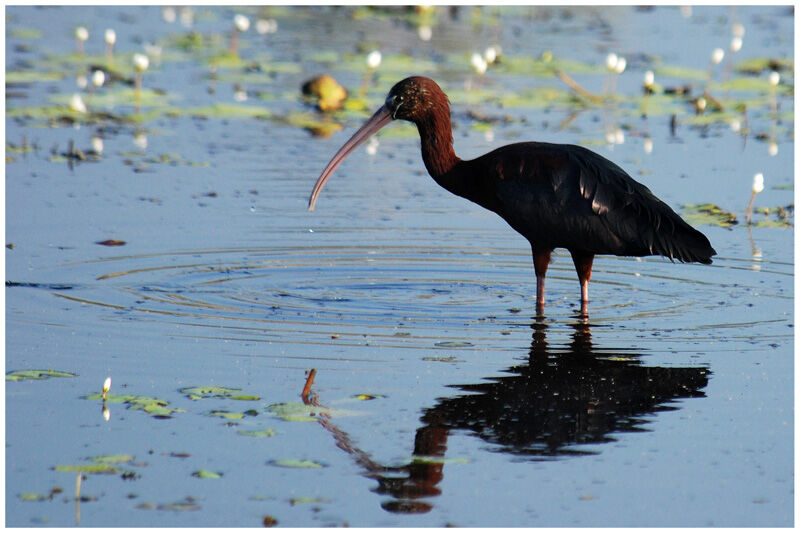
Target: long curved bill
381, 118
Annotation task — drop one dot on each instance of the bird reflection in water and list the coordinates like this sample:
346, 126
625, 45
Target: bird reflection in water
561, 399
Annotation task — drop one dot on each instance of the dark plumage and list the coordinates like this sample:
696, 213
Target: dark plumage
555, 195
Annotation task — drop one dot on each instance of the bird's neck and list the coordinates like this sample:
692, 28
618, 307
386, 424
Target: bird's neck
436, 136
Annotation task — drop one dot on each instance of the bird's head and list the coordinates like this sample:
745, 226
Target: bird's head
412, 99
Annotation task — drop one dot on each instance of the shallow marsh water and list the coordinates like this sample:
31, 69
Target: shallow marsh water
450, 403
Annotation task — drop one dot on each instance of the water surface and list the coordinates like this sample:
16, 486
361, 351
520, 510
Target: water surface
452, 404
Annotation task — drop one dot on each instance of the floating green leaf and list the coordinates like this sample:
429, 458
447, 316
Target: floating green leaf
308, 499
756, 65
220, 110
448, 359
226, 415
207, 474
213, 391
152, 406
88, 469
24, 33
177, 506
111, 459
31, 76
22, 375
453, 344
433, 459
34, 497
708, 214
298, 412
675, 71
368, 396
257, 433
296, 463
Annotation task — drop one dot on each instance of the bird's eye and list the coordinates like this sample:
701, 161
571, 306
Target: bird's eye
393, 101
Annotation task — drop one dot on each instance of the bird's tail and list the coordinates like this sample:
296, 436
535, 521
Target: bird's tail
682, 242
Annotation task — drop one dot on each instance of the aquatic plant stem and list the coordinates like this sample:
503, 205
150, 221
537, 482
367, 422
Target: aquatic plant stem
748, 212
575, 86
78, 499
307, 388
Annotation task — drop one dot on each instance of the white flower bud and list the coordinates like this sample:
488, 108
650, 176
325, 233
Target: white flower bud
241, 22
772, 149
758, 183
81, 33
736, 44
717, 55
168, 14
111, 37
97, 144
76, 104
649, 78
374, 59
98, 78
140, 62
140, 140
619, 68
372, 146
490, 54
774, 78
701, 103
425, 33
611, 61
478, 63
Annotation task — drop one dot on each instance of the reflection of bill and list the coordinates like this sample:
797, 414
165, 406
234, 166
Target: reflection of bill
560, 400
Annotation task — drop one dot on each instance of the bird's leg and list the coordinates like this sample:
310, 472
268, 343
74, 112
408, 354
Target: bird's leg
541, 259
583, 266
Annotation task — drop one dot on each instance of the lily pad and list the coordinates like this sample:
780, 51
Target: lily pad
34, 497
24, 33
308, 499
708, 214
226, 415
31, 76
364, 397
296, 463
88, 469
178, 506
206, 474
111, 459
675, 71
448, 359
433, 459
257, 433
152, 406
453, 344
756, 65
213, 391
298, 412
22, 375
220, 110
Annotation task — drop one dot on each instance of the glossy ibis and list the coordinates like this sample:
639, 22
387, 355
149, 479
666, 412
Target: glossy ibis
555, 195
